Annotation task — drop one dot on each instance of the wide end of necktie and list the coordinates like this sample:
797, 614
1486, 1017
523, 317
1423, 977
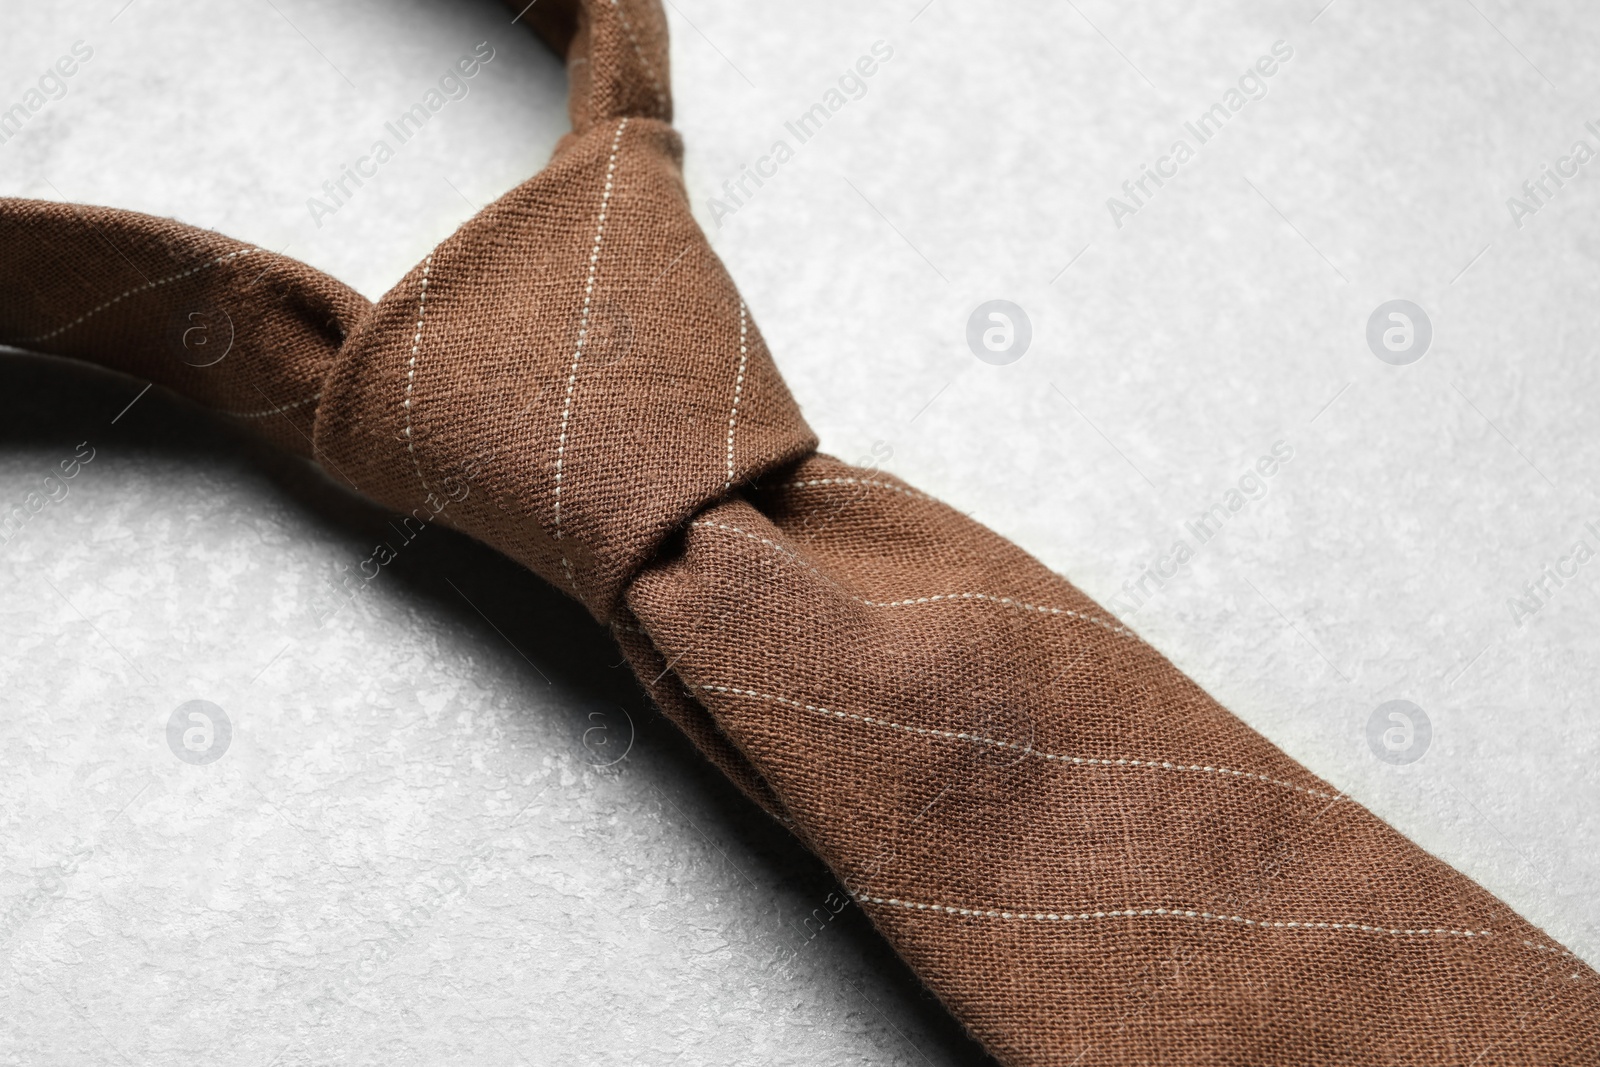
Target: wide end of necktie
1083, 853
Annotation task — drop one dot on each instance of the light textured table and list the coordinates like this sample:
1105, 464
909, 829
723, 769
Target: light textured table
416, 847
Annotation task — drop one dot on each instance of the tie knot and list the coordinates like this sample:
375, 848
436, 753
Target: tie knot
570, 377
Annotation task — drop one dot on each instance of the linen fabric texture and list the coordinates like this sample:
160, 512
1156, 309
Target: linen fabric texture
1085, 857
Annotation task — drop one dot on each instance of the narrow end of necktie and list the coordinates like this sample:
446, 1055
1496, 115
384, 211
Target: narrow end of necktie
235, 327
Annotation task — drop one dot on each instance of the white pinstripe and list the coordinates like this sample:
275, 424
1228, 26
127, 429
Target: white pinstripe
649, 70
1009, 601
411, 368
1027, 750
277, 410
92, 312
738, 389
577, 354
808, 483
1171, 913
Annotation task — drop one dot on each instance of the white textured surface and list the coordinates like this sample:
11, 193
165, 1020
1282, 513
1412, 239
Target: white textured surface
407, 854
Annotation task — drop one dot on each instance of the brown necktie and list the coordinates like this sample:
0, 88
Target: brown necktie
1087, 858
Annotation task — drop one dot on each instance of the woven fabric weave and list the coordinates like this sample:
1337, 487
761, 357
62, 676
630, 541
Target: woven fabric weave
1081, 853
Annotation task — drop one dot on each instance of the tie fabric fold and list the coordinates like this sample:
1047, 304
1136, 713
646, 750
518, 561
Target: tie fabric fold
1082, 854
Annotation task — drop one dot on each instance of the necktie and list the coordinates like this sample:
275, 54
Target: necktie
1086, 857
